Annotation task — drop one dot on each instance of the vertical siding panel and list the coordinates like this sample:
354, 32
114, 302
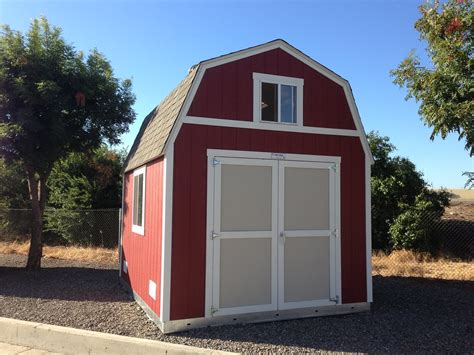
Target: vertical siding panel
358, 222
214, 92
143, 253
197, 230
244, 90
271, 62
181, 252
229, 81
346, 226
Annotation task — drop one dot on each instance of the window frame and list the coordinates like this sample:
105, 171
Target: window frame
259, 78
136, 228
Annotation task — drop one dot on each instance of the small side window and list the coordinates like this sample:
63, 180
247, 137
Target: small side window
138, 203
278, 99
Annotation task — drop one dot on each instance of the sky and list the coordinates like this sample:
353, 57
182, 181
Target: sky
155, 43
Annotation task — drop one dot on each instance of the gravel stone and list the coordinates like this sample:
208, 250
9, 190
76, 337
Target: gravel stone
409, 315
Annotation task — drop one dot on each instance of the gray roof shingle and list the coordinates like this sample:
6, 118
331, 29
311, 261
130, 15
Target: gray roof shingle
157, 125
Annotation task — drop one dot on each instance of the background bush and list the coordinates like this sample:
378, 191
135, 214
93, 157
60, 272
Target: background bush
404, 207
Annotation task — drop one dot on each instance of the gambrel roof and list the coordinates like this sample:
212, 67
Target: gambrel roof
157, 125
160, 124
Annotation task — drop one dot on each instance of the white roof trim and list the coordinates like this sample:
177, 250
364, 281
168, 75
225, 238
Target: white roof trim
260, 49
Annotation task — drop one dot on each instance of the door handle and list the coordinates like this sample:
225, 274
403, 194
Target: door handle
283, 236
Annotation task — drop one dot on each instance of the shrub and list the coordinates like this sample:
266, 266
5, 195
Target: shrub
416, 227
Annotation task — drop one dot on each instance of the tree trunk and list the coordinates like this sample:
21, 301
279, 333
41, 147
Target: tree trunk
38, 196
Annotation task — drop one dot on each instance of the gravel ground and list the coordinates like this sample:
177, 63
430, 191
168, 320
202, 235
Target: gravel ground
409, 314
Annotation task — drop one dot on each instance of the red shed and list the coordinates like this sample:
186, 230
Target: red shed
247, 195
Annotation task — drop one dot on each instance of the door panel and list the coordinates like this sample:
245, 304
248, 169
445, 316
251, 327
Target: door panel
306, 202
306, 252
246, 198
306, 267
250, 256
245, 246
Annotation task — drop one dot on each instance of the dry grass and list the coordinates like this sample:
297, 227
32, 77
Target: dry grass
88, 254
410, 264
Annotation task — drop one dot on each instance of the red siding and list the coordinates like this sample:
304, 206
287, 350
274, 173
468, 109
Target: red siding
189, 205
143, 252
226, 91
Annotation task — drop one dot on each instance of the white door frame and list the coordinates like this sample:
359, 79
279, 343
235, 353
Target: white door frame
259, 156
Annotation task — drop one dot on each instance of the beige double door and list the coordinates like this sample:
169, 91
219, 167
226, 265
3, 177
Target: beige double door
274, 235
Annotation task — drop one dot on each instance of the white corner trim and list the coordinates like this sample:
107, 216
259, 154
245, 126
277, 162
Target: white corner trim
121, 229
125, 266
368, 230
166, 236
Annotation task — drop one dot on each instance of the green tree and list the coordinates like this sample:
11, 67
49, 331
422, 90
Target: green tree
87, 180
396, 187
13, 186
53, 101
80, 182
445, 89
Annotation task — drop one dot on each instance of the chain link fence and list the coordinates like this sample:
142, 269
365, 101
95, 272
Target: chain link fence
99, 228
431, 246
424, 245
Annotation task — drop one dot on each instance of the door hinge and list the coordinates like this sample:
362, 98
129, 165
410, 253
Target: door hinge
213, 310
334, 299
335, 232
214, 235
215, 162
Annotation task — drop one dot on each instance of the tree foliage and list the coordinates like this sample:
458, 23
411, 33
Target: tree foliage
87, 180
445, 90
53, 101
80, 182
399, 195
13, 186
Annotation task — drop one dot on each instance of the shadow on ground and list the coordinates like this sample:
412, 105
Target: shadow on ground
62, 283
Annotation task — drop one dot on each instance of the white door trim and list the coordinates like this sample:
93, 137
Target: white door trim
211, 153
263, 158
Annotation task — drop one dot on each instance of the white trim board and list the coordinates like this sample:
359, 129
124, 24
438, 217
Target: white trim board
270, 126
166, 237
137, 229
213, 202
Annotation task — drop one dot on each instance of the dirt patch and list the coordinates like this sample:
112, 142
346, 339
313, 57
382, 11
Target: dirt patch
408, 314
460, 210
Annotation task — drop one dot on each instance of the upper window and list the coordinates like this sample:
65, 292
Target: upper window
278, 99
138, 206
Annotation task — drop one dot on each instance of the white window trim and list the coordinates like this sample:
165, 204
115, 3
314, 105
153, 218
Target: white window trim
259, 78
135, 228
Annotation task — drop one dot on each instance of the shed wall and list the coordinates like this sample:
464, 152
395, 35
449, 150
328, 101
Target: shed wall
143, 252
189, 205
226, 91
